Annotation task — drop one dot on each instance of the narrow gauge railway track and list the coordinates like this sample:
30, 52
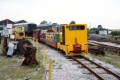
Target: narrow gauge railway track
97, 75
103, 47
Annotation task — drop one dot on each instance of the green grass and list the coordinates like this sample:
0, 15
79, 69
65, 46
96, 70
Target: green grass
110, 58
10, 68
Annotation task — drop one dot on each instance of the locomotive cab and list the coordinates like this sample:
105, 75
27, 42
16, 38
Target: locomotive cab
19, 32
27, 28
74, 39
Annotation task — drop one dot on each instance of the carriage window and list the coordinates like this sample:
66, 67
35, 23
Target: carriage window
32, 26
81, 27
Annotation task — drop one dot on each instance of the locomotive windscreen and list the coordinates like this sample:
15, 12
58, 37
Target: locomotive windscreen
80, 27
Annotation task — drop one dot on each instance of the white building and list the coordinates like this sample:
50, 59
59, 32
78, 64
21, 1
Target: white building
104, 31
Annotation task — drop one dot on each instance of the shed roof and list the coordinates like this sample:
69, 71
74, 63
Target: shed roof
6, 21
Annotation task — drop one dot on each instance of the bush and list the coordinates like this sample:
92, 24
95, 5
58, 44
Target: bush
115, 33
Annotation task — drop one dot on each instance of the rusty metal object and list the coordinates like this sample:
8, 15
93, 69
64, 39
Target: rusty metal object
26, 48
103, 47
21, 45
96, 51
29, 55
115, 38
21, 33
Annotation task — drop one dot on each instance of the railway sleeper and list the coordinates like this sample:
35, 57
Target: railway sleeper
97, 51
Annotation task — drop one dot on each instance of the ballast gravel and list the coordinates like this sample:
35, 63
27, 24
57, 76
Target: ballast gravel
65, 69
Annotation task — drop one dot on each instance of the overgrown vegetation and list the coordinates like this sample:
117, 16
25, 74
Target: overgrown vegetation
115, 33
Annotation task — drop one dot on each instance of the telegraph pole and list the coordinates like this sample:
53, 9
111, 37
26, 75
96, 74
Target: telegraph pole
5, 39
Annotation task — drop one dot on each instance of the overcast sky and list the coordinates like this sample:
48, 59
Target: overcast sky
92, 12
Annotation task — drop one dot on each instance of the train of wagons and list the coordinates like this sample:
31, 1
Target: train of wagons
69, 38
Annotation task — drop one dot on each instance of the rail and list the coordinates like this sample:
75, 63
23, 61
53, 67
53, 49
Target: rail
93, 72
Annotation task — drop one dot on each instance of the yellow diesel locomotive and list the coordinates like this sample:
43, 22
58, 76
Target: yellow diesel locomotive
22, 30
70, 38
73, 39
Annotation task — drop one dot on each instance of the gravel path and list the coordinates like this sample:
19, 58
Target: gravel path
64, 69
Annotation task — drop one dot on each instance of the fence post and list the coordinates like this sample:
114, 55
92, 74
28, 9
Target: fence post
0, 38
44, 58
37, 48
50, 69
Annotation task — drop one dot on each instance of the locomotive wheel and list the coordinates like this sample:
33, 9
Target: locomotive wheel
21, 47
